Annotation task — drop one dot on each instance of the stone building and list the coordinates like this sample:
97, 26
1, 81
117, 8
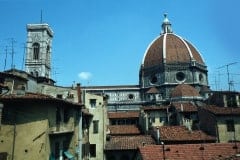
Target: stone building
37, 126
221, 122
96, 106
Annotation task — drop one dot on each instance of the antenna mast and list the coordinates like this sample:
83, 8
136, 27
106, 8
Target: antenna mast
227, 65
41, 17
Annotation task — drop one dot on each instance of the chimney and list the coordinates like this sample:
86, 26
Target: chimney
79, 95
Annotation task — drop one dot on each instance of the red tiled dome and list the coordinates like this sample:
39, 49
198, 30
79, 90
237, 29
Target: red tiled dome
184, 90
169, 48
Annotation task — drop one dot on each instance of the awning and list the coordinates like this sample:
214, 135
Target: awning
68, 155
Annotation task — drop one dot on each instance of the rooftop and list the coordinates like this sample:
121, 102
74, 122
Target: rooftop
128, 142
119, 115
182, 134
154, 108
34, 97
223, 110
207, 151
123, 129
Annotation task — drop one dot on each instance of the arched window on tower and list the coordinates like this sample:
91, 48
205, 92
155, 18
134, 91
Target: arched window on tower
36, 50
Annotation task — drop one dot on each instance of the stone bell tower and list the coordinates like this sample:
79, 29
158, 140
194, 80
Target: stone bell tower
39, 49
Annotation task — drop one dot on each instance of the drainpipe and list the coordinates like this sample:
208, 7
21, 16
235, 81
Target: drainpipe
1, 108
80, 136
14, 135
79, 95
158, 136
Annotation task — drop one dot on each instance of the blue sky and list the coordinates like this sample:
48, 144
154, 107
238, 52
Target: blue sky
102, 42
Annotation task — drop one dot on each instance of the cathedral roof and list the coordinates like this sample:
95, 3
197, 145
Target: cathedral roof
169, 48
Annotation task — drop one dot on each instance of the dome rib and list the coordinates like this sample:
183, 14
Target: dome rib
164, 48
149, 46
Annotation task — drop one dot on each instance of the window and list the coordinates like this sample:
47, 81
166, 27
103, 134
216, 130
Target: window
153, 79
36, 73
48, 50
95, 126
130, 96
57, 149
200, 77
230, 125
92, 150
60, 96
58, 115
36, 49
163, 119
66, 115
93, 103
180, 76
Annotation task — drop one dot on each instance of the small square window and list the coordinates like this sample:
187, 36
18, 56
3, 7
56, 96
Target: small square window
93, 103
230, 125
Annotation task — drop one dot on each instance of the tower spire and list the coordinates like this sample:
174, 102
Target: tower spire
166, 25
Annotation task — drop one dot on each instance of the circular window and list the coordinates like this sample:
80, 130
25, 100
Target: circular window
200, 77
153, 79
130, 96
180, 76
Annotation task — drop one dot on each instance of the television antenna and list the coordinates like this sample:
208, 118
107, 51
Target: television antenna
227, 66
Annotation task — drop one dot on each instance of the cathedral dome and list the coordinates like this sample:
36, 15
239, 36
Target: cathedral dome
169, 48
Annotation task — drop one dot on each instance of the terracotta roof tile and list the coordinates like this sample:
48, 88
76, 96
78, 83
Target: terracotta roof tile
123, 129
181, 133
185, 107
118, 115
27, 95
184, 90
223, 110
176, 50
128, 142
207, 151
153, 108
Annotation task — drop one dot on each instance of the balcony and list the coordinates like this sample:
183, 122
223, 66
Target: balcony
62, 128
